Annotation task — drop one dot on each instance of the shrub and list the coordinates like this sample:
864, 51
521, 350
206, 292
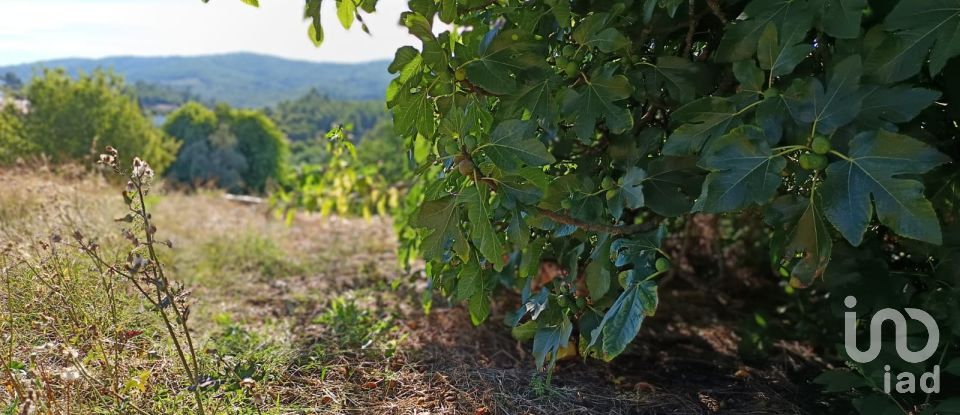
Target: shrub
70, 118
190, 123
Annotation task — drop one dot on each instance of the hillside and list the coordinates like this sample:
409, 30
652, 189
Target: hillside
240, 79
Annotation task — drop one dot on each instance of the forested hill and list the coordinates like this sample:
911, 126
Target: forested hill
240, 79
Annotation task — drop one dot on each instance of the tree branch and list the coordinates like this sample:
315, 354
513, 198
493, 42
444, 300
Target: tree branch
691, 29
647, 116
715, 8
597, 227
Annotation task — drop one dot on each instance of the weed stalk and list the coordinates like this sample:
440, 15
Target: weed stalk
146, 274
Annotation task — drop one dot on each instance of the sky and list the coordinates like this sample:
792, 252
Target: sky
32, 30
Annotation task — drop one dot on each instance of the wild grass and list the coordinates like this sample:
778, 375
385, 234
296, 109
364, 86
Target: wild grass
78, 337
244, 253
74, 339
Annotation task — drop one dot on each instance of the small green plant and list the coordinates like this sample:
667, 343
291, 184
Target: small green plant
542, 387
354, 326
242, 361
343, 185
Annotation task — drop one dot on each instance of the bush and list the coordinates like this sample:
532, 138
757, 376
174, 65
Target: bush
208, 152
238, 150
12, 143
70, 118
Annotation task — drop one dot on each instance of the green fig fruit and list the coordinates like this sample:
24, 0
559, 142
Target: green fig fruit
820, 144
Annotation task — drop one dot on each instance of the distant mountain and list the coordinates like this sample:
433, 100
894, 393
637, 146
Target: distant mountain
240, 79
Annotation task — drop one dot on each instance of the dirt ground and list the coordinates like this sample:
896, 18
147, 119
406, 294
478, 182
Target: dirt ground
684, 361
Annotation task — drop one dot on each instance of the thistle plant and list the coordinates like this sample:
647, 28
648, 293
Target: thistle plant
143, 269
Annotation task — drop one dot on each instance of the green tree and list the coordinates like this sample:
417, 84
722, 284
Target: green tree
575, 131
577, 126
312, 115
12, 81
262, 145
72, 119
190, 123
159, 96
238, 150
12, 143
208, 154
307, 119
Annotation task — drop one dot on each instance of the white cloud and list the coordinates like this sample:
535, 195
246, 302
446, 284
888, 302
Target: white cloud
44, 29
